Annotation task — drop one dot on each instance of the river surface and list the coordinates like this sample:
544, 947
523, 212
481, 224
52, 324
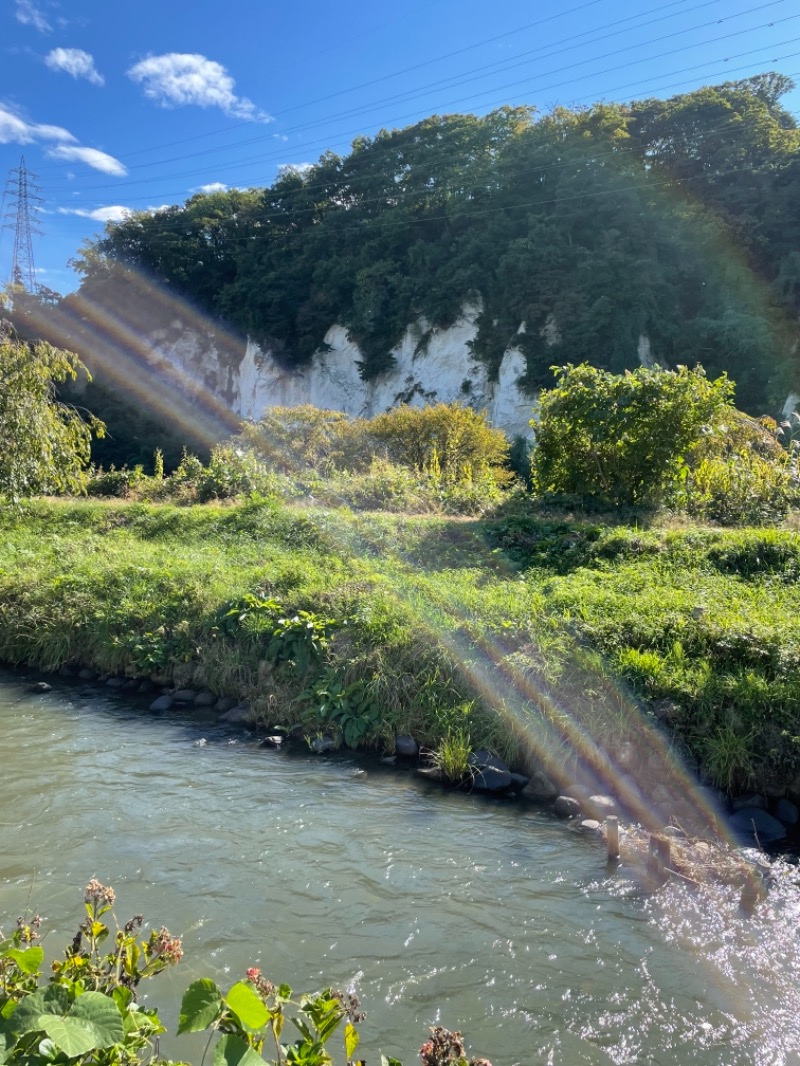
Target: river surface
435, 907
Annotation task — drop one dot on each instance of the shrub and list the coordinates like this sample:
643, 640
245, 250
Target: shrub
619, 439
452, 443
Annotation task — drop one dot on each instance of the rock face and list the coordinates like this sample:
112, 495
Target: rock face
430, 366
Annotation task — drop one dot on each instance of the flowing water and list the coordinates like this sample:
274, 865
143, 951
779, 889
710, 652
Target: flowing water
434, 907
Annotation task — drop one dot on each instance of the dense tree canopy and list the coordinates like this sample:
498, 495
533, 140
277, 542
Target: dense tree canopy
674, 220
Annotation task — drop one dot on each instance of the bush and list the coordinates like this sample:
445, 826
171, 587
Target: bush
620, 439
452, 443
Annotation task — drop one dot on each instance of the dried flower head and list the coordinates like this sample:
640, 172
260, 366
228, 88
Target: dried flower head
166, 946
264, 987
350, 1004
27, 930
101, 894
443, 1047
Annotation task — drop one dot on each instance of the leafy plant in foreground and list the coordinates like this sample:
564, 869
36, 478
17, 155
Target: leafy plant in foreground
87, 1014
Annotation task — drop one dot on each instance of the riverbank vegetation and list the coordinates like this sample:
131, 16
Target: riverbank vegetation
88, 1012
356, 580
369, 625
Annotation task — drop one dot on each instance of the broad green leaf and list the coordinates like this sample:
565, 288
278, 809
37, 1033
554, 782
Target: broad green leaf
102, 1014
28, 961
73, 1036
350, 1039
245, 1003
26, 1018
201, 1004
389, 1061
233, 1051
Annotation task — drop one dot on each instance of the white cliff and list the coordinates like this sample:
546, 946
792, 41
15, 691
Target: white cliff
430, 366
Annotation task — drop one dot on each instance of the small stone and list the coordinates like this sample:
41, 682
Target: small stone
131, 685
566, 807
491, 779
431, 773
225, 703
205, 699
599, 806
323, 744
163, 703
236, 715
184, 695
787, 812
66, 671
406, 747
115, 682
146, 687
359, 774
41, 686
389, 760
540, 788
87, 675
271, 742
749, 799
589, 825
519, 782
482, 759
627, 755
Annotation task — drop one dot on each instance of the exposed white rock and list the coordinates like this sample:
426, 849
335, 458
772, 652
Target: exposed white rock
792, 404
430, 366
645, 354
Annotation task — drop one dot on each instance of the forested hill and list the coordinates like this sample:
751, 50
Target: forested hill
675, 219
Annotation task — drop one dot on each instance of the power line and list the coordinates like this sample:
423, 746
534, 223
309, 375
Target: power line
727, 70
468, 76
261, 159
476, 212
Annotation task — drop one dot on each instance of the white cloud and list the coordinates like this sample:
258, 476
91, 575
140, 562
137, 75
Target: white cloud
76, 62
92, 157
112, 213
294, 168
29, 15
213, 186
177, 79
16, 130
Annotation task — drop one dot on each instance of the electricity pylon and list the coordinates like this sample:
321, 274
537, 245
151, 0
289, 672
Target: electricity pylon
23, 197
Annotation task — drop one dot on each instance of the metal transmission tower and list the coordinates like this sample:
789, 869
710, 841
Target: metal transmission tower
23, 197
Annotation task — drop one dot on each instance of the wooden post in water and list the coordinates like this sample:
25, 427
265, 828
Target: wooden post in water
751, 893
660, 859
612, 837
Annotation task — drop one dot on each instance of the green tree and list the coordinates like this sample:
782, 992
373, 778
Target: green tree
621, 439
44, 444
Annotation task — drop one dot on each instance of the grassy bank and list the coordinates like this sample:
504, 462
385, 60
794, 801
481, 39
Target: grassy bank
548, 639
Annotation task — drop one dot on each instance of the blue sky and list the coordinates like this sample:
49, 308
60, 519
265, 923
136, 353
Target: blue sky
134, 105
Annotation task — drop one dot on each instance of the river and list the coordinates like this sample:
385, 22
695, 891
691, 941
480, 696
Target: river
435, 907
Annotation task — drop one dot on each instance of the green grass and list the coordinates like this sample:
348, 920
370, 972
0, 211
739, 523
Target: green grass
524, 631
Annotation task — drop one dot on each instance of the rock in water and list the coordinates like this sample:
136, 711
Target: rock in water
407, 747
162, 703
754, 826
787, 812
322, 744
567, 807
540, 788
489, 774
236, 715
